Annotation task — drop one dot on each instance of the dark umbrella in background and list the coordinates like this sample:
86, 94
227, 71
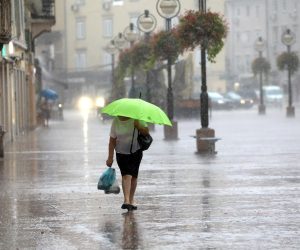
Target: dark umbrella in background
49, 94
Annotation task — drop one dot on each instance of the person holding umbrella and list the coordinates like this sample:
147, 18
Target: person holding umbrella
123, 140
131, 117
45, 106
46, 110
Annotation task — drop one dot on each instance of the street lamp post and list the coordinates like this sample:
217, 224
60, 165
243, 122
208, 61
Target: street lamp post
131, 35
112, 49
259, 46
288, 38
169, 9
205, 136
204, 95
146, 23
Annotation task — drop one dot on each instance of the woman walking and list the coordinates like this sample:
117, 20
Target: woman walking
123, 140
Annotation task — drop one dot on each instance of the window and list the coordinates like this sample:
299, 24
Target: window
80, 59
275, 5
248, 64
107, 27
175, 21
257, 11
133, 17
118, 2
275, 34
80, 28
80, 2
238, 36
295, 28
258, 33
284, 4
248, 10
107, 60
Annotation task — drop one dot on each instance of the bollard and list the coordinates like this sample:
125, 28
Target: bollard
2, 132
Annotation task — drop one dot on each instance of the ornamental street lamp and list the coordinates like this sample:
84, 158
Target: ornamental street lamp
146, 23
120, 41
169, 9
131, 34
259, 46
288, 38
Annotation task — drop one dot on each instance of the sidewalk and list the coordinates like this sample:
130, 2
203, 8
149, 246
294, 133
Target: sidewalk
245, 197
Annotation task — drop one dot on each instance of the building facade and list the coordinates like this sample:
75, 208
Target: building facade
21, 22
86, 27
249, 20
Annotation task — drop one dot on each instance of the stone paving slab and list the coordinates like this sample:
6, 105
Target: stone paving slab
245, 197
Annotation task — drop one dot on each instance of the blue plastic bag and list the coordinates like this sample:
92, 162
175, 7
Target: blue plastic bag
107, 179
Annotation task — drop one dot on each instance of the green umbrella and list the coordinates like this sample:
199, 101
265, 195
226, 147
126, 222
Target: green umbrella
137, 109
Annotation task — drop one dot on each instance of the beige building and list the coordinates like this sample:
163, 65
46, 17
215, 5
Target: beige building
87, 26
248, 21
21, 22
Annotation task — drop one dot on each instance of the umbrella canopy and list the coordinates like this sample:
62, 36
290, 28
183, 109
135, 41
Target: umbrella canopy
137, 109
49, 94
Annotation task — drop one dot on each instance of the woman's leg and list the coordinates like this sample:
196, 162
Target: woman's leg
132, 190
126, 186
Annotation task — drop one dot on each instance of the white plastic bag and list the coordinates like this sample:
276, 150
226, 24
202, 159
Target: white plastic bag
114, 188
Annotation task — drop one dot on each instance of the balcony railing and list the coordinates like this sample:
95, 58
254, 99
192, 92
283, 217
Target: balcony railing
42, 9
5, 21
42, 16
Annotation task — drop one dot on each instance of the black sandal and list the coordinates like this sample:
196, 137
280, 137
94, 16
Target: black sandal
127, 206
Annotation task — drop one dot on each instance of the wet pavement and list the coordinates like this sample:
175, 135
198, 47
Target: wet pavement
245, 197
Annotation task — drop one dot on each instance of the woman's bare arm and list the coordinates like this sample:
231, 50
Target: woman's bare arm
141, 129
111, 149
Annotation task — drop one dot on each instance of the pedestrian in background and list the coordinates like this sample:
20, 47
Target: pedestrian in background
123, 141
45, 109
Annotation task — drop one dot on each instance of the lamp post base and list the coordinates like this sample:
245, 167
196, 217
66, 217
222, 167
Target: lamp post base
290, 111
171, 133
262, 109
205, 141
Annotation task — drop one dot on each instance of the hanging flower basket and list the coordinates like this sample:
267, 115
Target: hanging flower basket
288, 60
207, 30
260, 65
166, 45
141, 55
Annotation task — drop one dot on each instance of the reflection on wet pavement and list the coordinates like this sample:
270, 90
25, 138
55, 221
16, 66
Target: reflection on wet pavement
245, 197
